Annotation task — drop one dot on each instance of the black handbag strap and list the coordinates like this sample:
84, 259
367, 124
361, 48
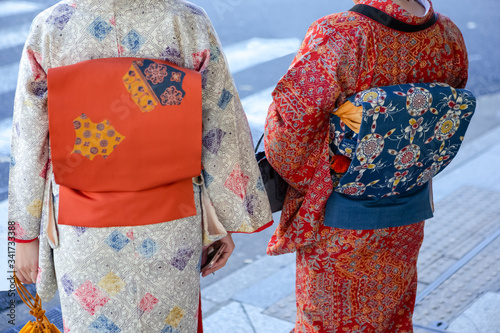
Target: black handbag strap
258, 143
389, 21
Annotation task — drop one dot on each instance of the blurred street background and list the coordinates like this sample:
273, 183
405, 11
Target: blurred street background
459, 268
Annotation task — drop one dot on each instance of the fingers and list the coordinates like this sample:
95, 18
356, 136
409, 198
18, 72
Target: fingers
27, 262
221, 262
26, 275
20, 275
33, 275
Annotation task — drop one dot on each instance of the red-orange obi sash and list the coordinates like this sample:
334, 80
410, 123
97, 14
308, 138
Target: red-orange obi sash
125, 138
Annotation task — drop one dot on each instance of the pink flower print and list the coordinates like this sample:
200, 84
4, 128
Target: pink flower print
90, 297
237, 182
148, 302
35, 59
19, 231
66, 328
121, 49
176, 77
171, 96
156, 73
201, 60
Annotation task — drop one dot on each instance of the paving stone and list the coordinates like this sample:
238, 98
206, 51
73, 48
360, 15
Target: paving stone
467, 175
224, 289
421, 286
270, 290
207, 306
435, 270
285, 308
266, 324
230, 318
474, 147
460, 249
451, 228
437, 327
449, 300
496, 149
481, 317
419, 330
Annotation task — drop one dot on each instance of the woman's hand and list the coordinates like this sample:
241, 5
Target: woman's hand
27, 261
221, 262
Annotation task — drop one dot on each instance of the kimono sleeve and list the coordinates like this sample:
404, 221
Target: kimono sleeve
297, 137
29, 151
297, 125
231, 173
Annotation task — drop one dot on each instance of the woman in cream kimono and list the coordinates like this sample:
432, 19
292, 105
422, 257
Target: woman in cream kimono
128, 278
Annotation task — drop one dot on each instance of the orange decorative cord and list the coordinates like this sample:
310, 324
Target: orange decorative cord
340, 163
42, 324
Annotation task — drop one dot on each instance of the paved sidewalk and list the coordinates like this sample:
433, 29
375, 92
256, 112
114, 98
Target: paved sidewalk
459, 275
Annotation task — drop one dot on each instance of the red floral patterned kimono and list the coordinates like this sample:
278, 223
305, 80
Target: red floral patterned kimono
350, 280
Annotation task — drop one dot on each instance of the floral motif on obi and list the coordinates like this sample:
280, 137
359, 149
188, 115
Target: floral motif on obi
150, 83
95, 139
409, 133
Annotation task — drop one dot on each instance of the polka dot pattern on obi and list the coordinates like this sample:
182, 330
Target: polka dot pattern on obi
93, 139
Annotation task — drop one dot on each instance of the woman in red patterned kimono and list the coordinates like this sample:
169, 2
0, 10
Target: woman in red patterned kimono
351, 280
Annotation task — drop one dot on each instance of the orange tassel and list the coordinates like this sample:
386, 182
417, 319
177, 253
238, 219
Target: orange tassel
340, 163
42, 324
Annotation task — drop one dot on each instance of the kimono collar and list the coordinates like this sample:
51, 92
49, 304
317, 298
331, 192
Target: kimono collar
399, 13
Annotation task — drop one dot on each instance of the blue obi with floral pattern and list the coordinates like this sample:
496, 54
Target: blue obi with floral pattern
409, 133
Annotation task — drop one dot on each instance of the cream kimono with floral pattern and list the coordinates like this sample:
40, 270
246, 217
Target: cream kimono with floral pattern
173, 30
